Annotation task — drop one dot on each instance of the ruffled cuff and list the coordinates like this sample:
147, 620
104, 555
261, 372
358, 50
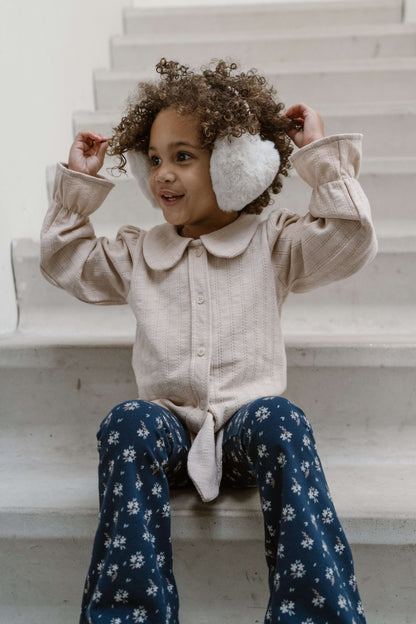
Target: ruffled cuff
329, 159
79, 192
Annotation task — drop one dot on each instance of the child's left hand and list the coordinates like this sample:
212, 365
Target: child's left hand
312, 125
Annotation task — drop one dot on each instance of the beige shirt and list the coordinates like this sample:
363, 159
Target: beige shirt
208, 334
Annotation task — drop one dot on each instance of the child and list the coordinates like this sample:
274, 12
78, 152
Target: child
207, 289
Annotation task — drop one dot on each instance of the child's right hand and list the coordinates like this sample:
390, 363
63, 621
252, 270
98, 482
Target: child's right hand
87, 152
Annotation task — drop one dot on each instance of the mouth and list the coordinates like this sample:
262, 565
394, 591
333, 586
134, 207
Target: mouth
170, 199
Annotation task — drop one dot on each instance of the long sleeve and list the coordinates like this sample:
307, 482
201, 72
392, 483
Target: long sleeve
336, 237
93, 269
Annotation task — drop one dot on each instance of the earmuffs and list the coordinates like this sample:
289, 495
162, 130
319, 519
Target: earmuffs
241, 169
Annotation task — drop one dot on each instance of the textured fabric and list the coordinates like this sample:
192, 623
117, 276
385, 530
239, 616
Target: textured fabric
208, 335
269, 442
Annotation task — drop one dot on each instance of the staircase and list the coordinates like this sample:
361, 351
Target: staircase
351, 346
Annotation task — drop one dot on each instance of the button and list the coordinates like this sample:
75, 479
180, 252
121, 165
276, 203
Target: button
200, 299
199, 251
201, 351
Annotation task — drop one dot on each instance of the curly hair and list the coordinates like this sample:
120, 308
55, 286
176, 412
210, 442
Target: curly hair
226, 103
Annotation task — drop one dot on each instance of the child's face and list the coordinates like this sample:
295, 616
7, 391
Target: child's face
179, 176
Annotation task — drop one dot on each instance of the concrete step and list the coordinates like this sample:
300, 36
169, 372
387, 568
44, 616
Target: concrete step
258, 17
318, 83
387, 182
360, 305
48, 509
388, 127
137, 53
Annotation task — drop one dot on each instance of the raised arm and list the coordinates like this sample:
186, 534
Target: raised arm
336, 237
93, 269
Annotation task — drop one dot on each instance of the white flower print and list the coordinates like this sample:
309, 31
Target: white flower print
262, 413
107, 542
266, 504
288, 606
170, 587
318, 466
121, 596
319, 600
281, 460
295, 416
276, 581
147, 515
136, 560
339, 547
286, 435
305, 467
115, 621
100, 566
143, 431
111, 466
306, 441
308, 621
262, 450
96, 595
342, 602
329, 574
288, 513
270, 479
139, 615
327, 516
129, 454
353, 582
114, 437
118, 489
166, 510
296, 488
139, 482
119, 542
307, 542
360, 608
157, 490
297, 569
133, 507
130, 405
161, 559
160, 444
148, 537
152, 589
313, 494
112, 571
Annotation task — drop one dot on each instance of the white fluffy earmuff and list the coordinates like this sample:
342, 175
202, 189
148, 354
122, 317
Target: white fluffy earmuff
139, 165
242, 168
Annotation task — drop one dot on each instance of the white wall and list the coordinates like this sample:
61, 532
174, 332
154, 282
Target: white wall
48, 50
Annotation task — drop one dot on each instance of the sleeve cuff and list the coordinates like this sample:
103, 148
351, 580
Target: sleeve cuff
79, 192
329, 159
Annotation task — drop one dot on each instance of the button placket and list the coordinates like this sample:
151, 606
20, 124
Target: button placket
200, 323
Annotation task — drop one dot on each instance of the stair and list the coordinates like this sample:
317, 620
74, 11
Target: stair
351, 346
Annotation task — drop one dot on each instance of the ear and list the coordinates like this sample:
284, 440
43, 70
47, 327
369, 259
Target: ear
241, 169
139, 166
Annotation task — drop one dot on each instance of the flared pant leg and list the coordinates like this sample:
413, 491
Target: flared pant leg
143, 449
311, 576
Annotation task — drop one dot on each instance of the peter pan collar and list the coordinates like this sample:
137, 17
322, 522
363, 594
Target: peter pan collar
163, 247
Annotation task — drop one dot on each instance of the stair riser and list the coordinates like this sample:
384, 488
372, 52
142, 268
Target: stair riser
274, 19
137, 56
125, 204
371, 286
68, 392
318, 88
387, 135
206, 598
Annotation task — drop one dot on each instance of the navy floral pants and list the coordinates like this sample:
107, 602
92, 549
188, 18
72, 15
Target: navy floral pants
269, 442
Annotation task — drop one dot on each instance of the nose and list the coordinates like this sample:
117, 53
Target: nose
165, 173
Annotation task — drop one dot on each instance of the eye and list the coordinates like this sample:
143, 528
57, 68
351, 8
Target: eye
155, 160
183, 156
